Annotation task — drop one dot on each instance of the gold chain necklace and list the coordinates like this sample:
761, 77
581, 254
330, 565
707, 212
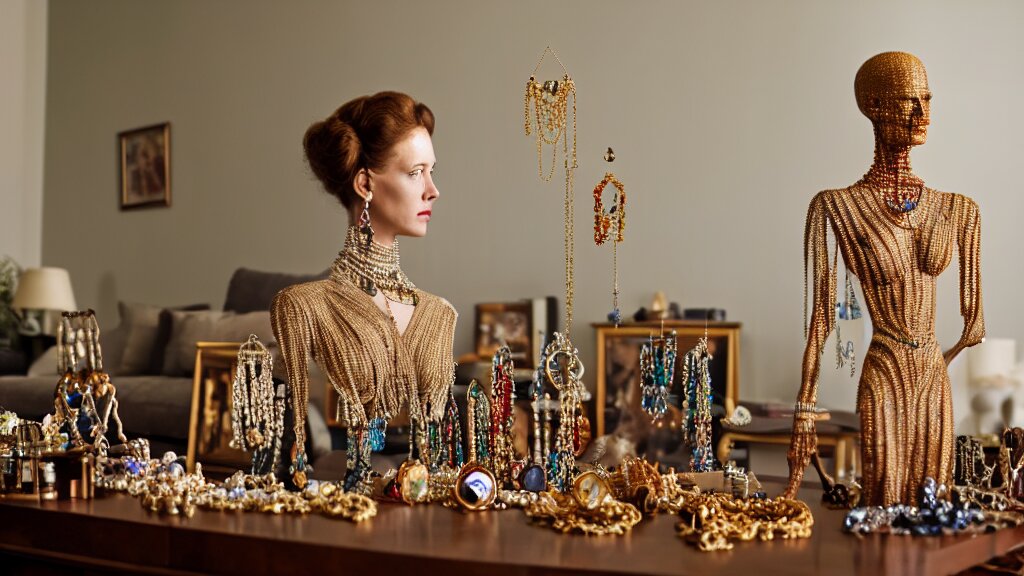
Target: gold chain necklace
374, 268
551, 101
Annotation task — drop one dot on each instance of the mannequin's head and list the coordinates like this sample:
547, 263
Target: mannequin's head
378, 148
892, 91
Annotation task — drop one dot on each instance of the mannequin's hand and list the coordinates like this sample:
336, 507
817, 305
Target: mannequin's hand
802, 446
950, 354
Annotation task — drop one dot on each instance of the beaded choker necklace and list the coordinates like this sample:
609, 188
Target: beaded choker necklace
900, 200
374, 268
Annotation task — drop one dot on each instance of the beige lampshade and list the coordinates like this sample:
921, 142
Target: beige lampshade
44, 289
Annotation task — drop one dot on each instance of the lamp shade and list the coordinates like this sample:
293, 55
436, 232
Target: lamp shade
44, 289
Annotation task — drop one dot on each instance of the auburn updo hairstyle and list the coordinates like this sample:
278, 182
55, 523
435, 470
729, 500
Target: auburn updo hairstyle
360, 135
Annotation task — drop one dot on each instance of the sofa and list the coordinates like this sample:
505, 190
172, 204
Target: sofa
150, 356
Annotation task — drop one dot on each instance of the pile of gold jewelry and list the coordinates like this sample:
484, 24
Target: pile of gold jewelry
565, 513
712, 521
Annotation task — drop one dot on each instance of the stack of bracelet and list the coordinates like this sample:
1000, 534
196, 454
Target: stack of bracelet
163, 486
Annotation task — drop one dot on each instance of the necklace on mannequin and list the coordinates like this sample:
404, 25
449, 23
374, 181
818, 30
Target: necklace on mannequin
373, 267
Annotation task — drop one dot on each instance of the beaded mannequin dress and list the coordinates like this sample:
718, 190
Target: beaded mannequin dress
896, 236
374, 369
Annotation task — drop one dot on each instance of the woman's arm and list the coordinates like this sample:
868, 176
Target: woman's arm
292, 331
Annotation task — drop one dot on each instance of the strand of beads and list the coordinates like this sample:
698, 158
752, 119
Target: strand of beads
697, 406
479, 407
502, 418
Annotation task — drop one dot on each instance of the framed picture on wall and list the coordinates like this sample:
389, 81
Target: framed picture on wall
146, 166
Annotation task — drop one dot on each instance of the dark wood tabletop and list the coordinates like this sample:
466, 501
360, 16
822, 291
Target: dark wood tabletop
114, 534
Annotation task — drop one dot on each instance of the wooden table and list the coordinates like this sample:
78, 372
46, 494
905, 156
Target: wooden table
115, 535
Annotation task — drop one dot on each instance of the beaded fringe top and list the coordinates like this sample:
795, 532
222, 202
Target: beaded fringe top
374, 267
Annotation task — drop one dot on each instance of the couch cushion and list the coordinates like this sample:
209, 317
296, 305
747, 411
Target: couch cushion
155, 405
163, 336
187, 328
141, 321
148, 405
252, 290
46, 364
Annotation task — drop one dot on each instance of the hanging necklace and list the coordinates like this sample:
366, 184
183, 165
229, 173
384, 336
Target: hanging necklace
550, 118
657, 368
607, 220
564, 370
696, 378
551, 100
374, 267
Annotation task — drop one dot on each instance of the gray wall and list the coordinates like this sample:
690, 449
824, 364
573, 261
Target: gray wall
22, 116
726, 116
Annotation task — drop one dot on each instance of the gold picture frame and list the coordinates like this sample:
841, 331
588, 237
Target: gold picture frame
618, 364
209, 428
145, 155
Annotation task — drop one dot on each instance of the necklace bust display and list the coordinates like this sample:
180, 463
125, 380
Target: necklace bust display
896, 236
384, 345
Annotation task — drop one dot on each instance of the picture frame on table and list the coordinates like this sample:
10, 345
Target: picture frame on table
511, 323
209, 431
618, 367
145, 158
526, 324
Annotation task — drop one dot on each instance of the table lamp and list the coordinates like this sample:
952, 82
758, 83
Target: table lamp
42, 289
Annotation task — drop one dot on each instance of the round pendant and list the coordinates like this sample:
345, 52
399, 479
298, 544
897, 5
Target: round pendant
590, 490
475, 488
412, 481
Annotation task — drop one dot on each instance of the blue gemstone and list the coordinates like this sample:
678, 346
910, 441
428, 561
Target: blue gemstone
533, 478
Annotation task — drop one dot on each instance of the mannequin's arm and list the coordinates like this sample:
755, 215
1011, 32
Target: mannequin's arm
968, 221
804, 443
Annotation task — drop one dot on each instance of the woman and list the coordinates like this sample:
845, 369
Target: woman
383, 343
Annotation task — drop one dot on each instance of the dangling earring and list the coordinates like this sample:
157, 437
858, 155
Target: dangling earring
364, 221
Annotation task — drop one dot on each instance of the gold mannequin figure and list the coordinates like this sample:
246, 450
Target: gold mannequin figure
896, 235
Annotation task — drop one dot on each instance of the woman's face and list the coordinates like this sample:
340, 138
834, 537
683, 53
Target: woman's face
403, 189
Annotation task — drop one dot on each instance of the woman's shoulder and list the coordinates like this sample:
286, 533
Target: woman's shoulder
434, 302
303, 291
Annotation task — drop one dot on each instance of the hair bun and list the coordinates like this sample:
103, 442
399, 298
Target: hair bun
336, 151
332, 149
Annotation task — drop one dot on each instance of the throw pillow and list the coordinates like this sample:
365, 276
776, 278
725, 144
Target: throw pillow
142, 324
141, 321
252, 290
163, 336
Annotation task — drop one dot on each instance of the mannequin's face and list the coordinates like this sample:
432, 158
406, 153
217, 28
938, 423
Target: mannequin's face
403, 189
895, 96
904, 116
